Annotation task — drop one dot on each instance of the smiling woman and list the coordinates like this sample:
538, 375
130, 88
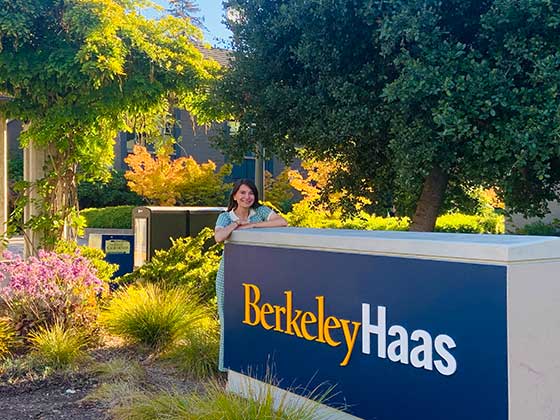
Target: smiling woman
244, 212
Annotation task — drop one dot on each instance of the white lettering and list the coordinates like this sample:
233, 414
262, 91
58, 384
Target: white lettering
400, 345
399, 350
380, 330
425, 349
451, 364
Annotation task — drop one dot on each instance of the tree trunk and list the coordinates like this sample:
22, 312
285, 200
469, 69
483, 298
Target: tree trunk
431, 199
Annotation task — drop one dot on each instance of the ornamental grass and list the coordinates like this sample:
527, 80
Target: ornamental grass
197, 354
58, 346
8, 339
149, 315
215, 403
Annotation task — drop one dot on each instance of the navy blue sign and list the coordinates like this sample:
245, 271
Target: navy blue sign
119, 249
400, 338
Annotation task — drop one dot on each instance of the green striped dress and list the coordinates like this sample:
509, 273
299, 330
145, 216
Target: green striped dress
260, 214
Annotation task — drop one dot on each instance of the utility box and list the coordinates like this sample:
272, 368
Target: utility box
154, 227
118, 249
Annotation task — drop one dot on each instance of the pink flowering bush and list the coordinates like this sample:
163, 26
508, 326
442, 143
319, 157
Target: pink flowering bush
50, 288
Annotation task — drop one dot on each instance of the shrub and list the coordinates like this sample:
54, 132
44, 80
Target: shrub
540, 228
106, 194
119, 217
8, 339
150, 315
303, 215
462, 223
165, 181
371, 222
48, 288
58, 346
190, 262
95, 256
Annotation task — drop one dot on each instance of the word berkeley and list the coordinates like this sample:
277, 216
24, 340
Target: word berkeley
317, 326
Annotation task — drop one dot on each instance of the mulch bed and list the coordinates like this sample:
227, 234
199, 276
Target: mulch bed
57, 397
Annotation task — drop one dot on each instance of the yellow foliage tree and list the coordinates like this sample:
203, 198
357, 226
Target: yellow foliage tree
166, 182
312, 187
278, 190
319, 201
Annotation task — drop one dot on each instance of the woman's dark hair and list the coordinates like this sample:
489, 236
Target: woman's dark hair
247, 182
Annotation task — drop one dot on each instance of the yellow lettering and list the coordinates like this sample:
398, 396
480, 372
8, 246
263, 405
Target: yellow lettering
335, 325
350, 338
300, 323
308, 318
266, 309
291, 323
251, 305
279, 310
321, 318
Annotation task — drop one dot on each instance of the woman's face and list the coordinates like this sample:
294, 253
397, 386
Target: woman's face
244, 197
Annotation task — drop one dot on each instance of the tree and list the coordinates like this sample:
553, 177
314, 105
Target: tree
278, 191
80, 71
185, 9
166, 182
420, 100
317, 191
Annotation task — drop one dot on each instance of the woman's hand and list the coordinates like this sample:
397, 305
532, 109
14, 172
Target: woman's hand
275, 221
246, 225
222, 233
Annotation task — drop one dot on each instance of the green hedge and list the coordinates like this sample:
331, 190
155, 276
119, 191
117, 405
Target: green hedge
302, 216
541, 229
462, 223
119, 217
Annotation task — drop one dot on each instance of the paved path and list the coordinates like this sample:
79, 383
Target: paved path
16, 244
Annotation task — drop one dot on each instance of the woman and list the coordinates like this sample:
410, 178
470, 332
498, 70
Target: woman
244, 212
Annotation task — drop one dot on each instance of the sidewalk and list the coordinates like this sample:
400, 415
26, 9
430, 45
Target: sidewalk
16, 244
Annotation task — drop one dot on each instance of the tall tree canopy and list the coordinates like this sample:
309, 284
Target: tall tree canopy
79, 71
418, 99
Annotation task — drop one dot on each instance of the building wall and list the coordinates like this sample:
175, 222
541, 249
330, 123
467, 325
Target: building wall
517, 221
195, 140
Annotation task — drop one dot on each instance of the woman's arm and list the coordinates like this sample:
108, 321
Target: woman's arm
222, 233
275, 220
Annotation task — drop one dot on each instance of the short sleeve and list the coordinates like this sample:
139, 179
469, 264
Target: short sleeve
223, 220
264, 212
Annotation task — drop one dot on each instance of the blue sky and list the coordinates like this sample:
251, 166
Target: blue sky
212, 13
